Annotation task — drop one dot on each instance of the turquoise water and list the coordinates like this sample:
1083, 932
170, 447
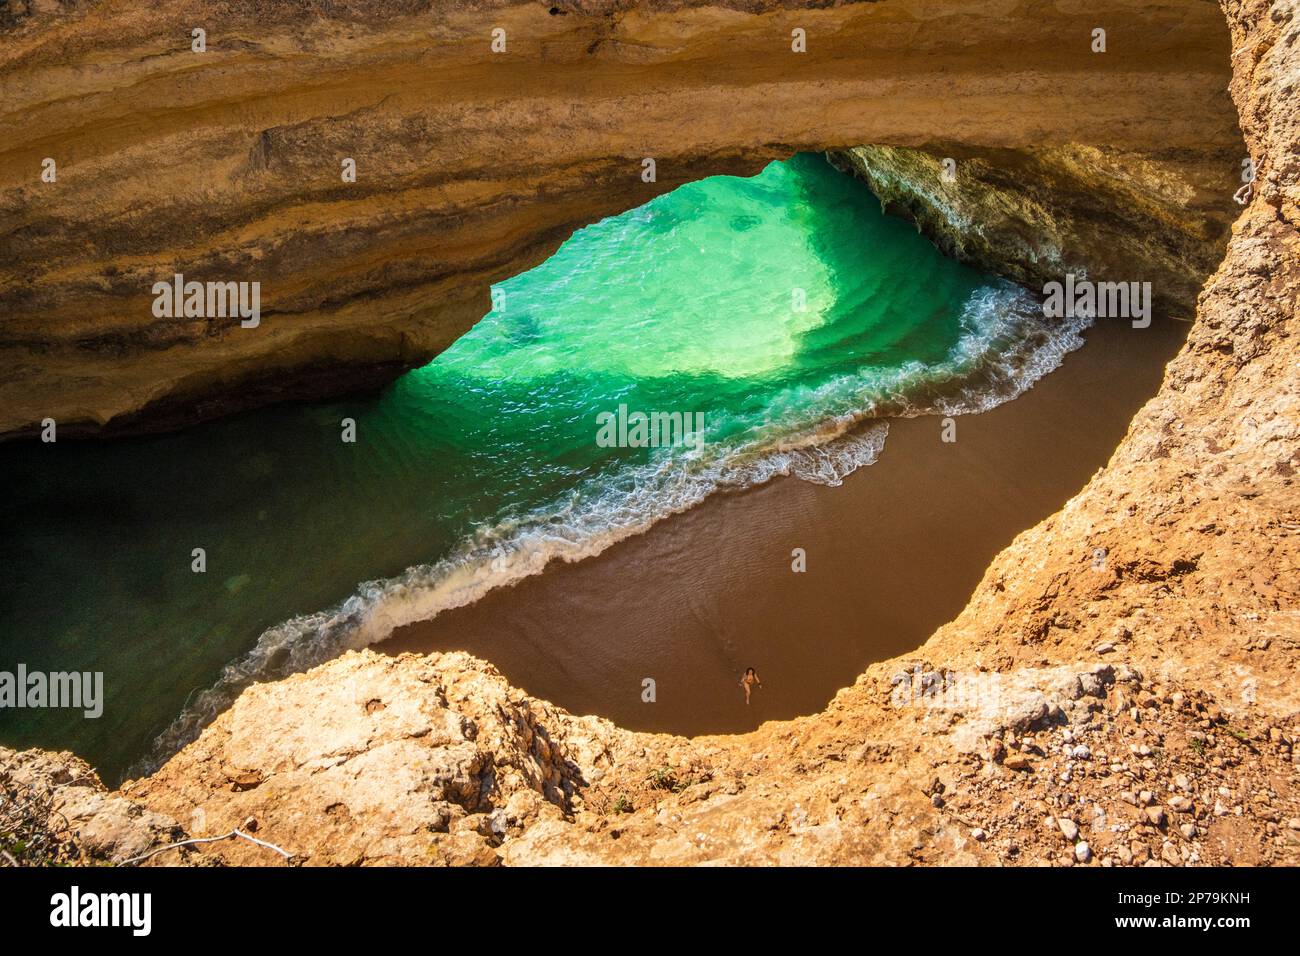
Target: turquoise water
785, 309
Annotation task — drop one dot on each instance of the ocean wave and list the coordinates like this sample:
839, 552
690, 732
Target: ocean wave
1005, 346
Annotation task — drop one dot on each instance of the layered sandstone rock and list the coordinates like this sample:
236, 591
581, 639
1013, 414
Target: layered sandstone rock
471, 166
1141, 645
1038, 213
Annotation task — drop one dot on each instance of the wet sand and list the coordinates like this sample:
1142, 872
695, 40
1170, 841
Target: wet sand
892, 554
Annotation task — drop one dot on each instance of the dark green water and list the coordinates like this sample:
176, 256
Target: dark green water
786, 309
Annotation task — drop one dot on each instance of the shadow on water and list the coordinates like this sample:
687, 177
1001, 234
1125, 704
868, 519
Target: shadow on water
100, 537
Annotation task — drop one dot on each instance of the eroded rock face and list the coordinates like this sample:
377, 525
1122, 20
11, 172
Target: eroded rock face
1038, 213
471, 166
1082, 763
1155, 688
378, 760
57, 801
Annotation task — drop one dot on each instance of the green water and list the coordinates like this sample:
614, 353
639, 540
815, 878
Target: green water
785, 308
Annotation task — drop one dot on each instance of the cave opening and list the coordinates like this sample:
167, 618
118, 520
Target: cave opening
731, 332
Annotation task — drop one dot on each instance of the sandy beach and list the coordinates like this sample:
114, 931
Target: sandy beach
892, 553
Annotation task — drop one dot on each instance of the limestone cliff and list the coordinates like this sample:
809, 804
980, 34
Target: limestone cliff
1036, 213
225, 165
1141, 648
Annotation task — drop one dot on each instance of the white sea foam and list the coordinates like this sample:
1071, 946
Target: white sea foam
1006, 345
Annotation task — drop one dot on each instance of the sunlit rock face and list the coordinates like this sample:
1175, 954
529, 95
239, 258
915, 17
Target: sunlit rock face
1039, 213
473, 165
1196, 514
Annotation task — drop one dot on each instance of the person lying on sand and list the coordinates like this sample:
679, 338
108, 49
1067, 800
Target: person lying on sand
748, 681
